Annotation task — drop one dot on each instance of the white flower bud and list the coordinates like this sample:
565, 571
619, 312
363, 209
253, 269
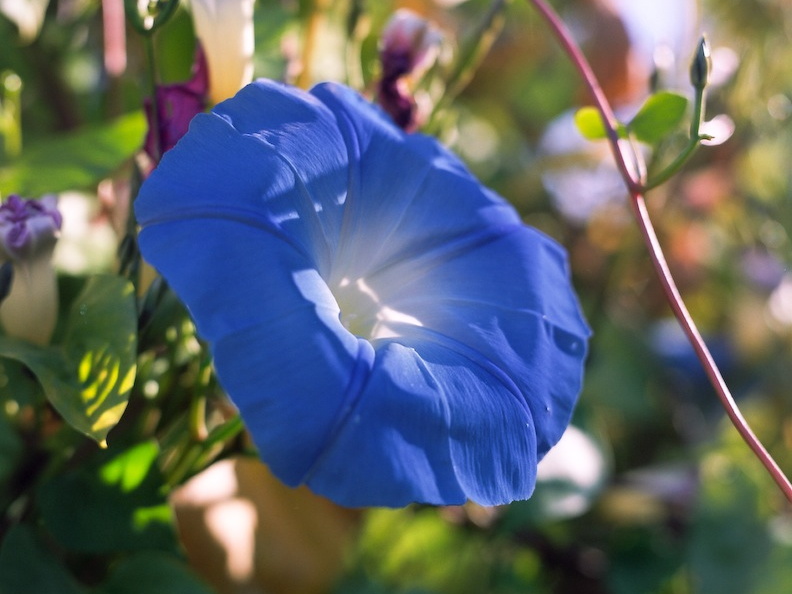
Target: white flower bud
225, 30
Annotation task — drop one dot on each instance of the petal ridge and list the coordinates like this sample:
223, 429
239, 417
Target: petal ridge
468, 353
247, 217
360, 375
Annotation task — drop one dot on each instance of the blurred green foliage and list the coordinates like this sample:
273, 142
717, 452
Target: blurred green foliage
673, 504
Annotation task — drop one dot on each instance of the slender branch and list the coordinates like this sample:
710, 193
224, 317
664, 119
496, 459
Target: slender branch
658, 259
601, 102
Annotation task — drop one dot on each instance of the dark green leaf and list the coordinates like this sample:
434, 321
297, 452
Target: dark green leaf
74, 161
659, 116
27, 566
113, 504
730, 542
11, 449
643, 559
153, 573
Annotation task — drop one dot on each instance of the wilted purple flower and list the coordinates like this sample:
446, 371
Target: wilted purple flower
28, 232
28, 227
177, 104
408, 46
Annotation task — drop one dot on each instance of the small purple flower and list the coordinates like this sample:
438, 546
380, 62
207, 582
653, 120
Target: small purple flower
28, 226
28, 232
409, 45
177, 104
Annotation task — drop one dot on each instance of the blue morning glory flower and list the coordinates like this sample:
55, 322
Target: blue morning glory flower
388, 328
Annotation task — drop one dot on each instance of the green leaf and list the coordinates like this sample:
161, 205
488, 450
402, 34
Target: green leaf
11, 450
27, 566
100, 340
659, 116
89, 377
153, 573
113, 503
74, 161
589, 122
730, 545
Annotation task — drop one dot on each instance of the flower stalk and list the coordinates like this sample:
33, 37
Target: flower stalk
636, 190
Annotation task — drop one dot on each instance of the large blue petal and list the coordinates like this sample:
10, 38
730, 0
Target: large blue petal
436, 423
288, 168
279, 348
463, 264
279, 202
406, 194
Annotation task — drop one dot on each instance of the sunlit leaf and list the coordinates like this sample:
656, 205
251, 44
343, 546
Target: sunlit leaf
74, 161
422, 551
115, 502
100, 342
127, 470
89, 377
589, 123
659, 116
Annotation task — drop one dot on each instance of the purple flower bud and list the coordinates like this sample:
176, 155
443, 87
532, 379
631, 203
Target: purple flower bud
409, 46
177, 104
28, 227
28, 232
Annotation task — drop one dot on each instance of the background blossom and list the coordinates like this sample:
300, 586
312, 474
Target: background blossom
388, 328
29, 230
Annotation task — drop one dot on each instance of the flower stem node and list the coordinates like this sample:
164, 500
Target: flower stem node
28, 232
146, 16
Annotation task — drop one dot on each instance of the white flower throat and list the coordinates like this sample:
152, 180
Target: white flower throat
364, 313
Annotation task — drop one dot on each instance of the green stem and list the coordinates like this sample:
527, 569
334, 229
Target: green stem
352, 51
655, 251
148, 42
12, 113
479, 43
198, 454
693, 143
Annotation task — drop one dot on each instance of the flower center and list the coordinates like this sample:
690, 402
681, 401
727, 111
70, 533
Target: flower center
364, 312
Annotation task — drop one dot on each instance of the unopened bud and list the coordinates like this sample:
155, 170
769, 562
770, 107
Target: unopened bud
176, 105
149, 15
409, 45
225, 30
701, 65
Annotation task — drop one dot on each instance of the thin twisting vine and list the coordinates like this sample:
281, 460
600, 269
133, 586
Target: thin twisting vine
636, 189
